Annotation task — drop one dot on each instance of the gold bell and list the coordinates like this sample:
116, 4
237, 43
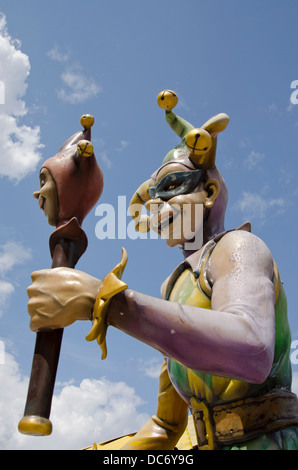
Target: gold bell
85, 148
167, 100
198, 141
87, 121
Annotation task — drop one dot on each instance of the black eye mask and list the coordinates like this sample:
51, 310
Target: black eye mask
173, 184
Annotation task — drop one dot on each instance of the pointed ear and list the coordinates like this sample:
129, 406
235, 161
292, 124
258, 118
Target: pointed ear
212, 187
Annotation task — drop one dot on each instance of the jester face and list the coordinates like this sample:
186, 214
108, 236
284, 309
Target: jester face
179, 201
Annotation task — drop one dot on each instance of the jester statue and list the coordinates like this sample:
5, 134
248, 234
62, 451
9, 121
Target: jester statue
221, 323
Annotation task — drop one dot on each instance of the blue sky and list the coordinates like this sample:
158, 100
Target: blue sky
59, 60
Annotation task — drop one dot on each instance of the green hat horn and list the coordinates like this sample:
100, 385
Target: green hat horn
201, 142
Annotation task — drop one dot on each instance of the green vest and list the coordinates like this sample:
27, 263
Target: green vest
188, 286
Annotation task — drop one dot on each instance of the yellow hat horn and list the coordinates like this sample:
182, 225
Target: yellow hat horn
202, 142
140, 197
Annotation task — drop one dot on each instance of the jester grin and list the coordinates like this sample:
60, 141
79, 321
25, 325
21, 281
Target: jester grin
163, 219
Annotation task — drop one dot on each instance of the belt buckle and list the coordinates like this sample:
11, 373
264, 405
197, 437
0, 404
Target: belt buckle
203, 424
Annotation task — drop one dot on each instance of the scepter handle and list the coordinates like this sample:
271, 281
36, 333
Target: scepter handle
36, 420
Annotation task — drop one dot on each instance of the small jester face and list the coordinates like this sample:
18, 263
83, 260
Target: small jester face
47, 196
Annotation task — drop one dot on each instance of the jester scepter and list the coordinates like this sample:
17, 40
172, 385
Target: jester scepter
71, 183
221, 323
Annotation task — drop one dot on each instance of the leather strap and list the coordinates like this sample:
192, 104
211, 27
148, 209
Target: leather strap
245, 419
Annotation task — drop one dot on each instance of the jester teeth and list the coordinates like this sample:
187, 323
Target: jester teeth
163, 219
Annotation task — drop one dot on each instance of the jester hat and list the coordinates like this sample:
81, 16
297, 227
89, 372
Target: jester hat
196, 150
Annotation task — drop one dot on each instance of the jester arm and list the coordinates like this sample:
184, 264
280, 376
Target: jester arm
236, 338
164, 429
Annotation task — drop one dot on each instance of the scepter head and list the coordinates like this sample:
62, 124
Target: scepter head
71, 181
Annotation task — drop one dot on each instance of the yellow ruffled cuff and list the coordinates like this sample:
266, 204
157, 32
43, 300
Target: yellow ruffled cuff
110, 286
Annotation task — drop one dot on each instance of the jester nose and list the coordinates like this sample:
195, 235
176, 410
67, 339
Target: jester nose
153, 204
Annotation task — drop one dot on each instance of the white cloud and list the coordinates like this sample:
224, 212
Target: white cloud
122, 146
253, 160
107, 161
94, 411
104, 154
19, 144
290, 107
254, 206
102, 410
11, 254
6, 290
151, 367
11, 401
78, 85
244, 142
56, 54
272, 107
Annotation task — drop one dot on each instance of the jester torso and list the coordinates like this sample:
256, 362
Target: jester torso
188, 285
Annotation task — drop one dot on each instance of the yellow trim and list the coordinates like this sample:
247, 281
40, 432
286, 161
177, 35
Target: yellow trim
110, 286
198, 407
187, 441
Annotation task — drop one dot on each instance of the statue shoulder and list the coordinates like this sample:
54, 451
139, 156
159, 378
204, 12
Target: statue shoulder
240, 249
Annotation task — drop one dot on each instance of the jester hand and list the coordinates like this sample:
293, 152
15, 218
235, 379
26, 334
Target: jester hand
58, 297
110, 286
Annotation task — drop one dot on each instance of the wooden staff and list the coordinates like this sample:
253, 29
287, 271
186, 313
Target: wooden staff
79, 183
45, 361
